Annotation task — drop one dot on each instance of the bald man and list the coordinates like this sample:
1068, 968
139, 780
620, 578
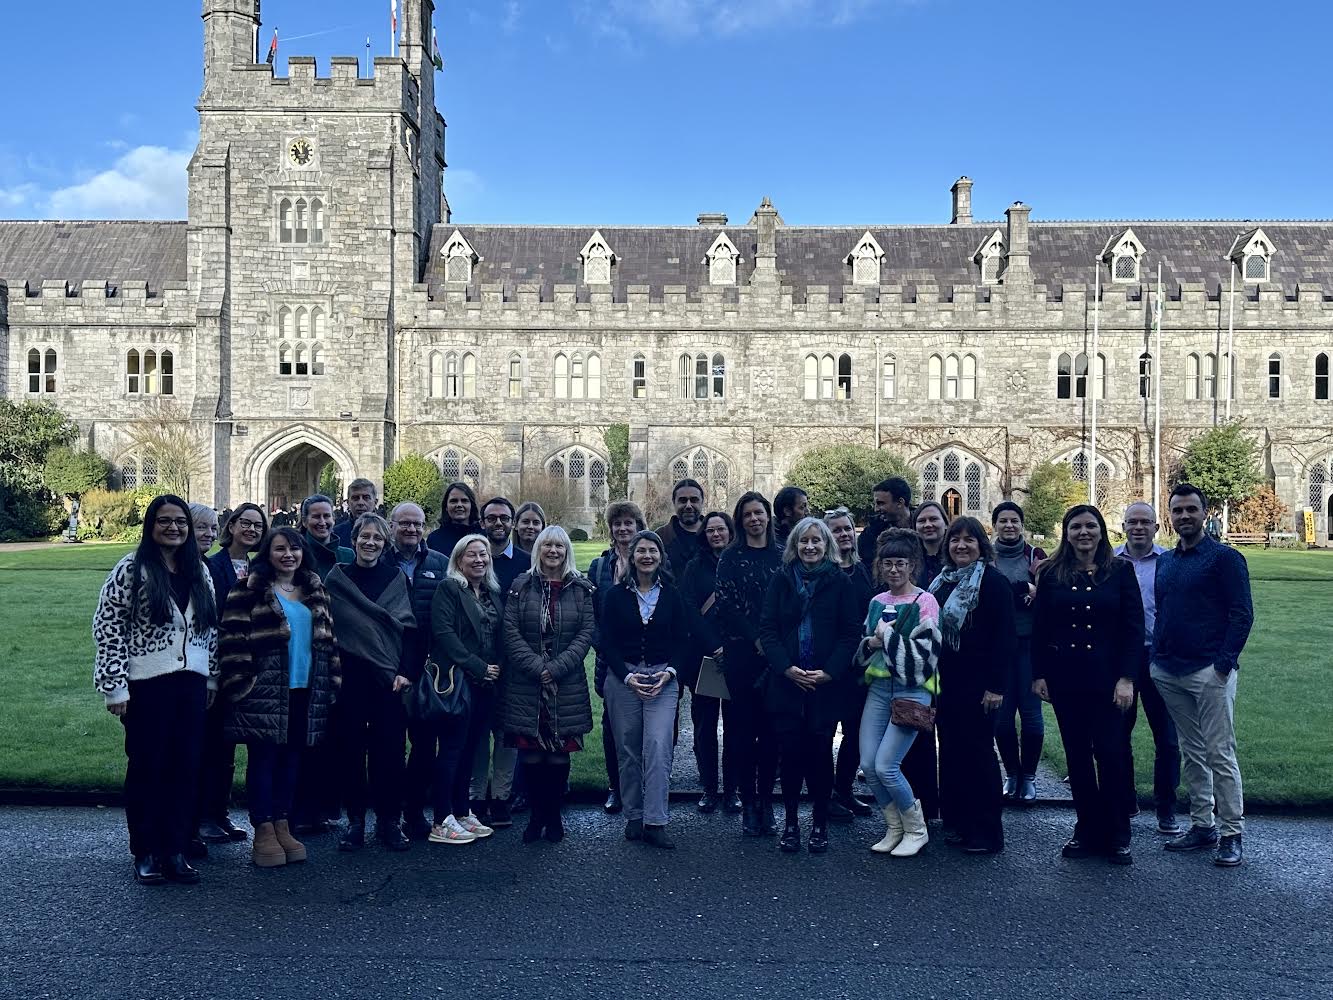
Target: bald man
1141, 549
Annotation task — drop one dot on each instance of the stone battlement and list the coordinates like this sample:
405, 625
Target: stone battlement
345, 89
97, 302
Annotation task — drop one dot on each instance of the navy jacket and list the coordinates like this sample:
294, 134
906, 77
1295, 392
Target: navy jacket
1204, 611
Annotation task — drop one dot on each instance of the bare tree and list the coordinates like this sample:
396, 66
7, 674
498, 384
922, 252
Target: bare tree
166, 434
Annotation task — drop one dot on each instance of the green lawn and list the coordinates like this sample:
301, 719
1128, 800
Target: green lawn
55, 733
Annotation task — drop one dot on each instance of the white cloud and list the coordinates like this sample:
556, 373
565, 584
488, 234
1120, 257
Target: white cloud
16, 200
148, 182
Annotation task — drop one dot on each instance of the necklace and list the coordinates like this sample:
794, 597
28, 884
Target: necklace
287, 588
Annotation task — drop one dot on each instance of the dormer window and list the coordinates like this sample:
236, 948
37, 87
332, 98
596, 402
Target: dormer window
1253, 254
989, 258
1124, 253
866, 260
597, 259
458, 259
722, 258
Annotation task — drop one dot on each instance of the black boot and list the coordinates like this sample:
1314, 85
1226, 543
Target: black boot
354, 838
555, 798
750, 825
538, 775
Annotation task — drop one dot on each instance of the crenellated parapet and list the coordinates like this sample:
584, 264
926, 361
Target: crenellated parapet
56, 302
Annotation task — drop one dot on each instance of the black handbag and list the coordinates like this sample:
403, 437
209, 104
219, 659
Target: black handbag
440, 695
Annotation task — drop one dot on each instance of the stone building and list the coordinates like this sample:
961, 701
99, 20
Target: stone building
319, 305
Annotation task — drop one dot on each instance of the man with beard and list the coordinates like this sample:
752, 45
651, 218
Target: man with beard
680, 535
789, 506
892, 501
508, 560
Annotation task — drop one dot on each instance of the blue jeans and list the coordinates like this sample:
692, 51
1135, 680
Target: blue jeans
884, 745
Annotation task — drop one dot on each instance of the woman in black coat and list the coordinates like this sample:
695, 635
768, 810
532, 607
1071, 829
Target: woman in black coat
976, 659
228, 566
845, 805
280, 674
809, 631
699, 588
545, 708
1086, 643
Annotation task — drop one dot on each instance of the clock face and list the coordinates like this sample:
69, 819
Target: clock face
300, 152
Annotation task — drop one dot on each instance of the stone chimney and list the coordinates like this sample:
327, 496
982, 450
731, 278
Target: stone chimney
1017, 268
962, 202
712, 219
766, 252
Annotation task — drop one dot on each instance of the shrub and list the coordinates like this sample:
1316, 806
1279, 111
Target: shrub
578, 535
845, 475
26, 515
415, 479
110, 514
1224, 463
70, 473
1052, 490
1262, 510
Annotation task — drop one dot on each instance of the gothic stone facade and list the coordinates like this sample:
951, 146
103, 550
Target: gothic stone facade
319, 305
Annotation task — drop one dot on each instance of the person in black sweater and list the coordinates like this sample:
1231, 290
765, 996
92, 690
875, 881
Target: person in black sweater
371, 603
699, 589
461, 517
851, 691
809, 630
643, 622
921, 765
743, 574
1086, 643
976, 659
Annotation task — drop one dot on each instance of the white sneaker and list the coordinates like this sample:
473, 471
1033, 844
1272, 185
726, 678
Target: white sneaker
474, 826
450, 832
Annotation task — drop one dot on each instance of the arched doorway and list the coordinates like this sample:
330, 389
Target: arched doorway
294, 475
952, 501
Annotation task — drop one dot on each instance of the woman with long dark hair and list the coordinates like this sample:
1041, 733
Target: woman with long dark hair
743, 575
976, 659
241, 534
280, 674
643, 622
1086, 642
460, 517
155, 629
545, 706
466, 615
698, 586
809, 629
371, 600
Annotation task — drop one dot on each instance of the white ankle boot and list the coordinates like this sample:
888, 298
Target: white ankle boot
894, 832
914, 832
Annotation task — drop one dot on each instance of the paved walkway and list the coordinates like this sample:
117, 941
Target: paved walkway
721, 916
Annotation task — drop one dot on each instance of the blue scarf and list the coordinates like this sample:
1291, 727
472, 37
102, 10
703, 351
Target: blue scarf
807, 582
963, 600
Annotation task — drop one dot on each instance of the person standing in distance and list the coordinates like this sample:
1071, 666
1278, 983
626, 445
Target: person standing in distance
1142, 550
362, 498
1204, 615
892, 508
680, 535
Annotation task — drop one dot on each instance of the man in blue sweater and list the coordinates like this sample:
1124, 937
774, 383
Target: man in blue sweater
1204, 614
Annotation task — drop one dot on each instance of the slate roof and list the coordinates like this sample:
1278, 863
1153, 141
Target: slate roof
940, 255
154, 252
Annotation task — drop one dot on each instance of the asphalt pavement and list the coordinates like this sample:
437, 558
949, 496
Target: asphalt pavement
596, 916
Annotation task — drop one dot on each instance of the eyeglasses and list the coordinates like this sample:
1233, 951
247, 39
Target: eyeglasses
497, 519
899, 565
418, 525
172, 522
250, 525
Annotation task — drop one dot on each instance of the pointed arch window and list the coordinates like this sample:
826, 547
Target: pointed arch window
459, 257
316, 359
1209, 376
302, 360
285, 358
468, 389
436, 375
1321, 376
133, 372
167, 367
1275, 376
594, 384
639, 377
150, 382
1320, 483
935, 377
958, 473
889, 376
561, 374
1192, 369
703, 376
583, 475
1145, 375
515, 377
1080, 465
826, 377
722, 258
576, 387
866, 259
457, 465
811, 376
712, 471
597, 258
577, 376
301, 221
1064, 376
286, 227
316, 221
42, 365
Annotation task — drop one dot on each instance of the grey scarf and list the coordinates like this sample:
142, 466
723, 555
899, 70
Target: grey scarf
961, 602
371, 630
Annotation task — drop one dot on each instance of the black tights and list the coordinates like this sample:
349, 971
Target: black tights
547, 776
807, 758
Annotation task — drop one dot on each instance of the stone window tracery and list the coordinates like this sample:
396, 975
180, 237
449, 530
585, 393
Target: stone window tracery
577, 376
300, 333
150, 373
300, 220
1071, 380
452, 375
722, 258
702, 377
459, 257
459, 466
597, 258
710, 469
42, 365
582, 473
955, 472
866, 260
952, 377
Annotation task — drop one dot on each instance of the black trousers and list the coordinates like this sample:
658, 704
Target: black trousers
754, 749
164, 734
807, 758
609, 752
1166, 744
217, 767
1093, 733
849, 750
370, 730
705, 712
436, 767
971, 799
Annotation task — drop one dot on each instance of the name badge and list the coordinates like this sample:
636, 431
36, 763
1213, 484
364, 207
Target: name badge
429, 574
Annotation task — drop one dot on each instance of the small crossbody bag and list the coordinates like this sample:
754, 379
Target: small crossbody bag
912, 714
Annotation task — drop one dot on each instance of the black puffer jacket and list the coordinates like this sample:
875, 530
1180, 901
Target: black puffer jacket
432, 569
520, 704
255, 674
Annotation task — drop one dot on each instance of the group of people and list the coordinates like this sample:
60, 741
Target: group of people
327, 648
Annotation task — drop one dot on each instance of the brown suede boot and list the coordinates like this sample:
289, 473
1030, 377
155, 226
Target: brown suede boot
291, 847
265, 851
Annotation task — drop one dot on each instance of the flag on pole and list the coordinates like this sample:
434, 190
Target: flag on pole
435, 50
273, 48
393, 16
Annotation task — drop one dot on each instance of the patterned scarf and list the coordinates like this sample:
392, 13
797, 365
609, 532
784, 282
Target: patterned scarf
963, 600
807, 582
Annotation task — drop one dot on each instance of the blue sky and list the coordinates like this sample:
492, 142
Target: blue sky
650, 111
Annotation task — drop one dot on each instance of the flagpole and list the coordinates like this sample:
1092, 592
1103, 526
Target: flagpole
370, 63
1231, 329
1157, 392
393, 27
1092, 369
